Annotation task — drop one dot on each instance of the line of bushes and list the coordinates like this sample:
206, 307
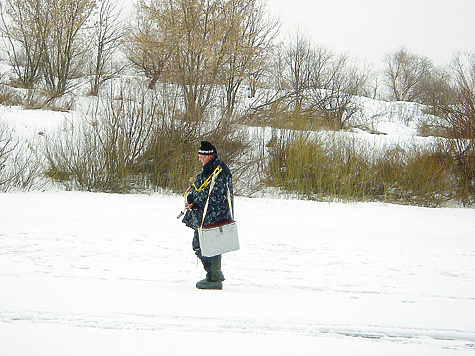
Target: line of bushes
109, 156
327, 166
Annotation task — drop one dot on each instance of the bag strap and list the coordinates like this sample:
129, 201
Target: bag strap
213, 179
229, 203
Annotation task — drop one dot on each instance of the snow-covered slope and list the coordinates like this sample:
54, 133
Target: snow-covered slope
100, 274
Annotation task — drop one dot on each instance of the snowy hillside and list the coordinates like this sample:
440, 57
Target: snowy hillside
97, 274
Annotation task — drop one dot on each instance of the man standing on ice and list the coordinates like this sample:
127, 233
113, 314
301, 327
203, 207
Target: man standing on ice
218, 208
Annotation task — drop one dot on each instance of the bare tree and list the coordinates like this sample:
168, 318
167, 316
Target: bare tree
316, 87
60, 32
405, 74
458, 115
145, 46
106, 37
200, 45
196, 36
42, 39
275, 71
336, 82
459, 112
300, 60
22, 44
251, 34
436, 89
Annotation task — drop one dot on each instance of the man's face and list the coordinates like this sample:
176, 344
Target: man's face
204, 159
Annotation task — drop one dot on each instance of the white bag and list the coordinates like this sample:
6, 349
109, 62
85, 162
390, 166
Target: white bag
220, 237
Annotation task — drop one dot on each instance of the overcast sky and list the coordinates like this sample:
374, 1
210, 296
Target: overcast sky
369, 29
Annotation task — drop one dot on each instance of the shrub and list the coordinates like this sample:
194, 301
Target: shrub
8, 96
327, 167
19, 165
100, 154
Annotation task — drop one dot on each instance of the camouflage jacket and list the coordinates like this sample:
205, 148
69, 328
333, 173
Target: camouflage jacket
218, 206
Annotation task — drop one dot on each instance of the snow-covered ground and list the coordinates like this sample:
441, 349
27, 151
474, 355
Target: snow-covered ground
100, 274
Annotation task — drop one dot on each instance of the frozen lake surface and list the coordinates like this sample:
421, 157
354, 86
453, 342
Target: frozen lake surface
102, 274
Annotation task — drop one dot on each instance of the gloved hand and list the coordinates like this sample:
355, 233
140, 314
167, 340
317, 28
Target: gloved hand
189, 201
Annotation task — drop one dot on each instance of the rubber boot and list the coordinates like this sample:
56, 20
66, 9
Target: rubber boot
214, 277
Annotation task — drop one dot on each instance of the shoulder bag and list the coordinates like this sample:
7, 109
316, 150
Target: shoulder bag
220, 237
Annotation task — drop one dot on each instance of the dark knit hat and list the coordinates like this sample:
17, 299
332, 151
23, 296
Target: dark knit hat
207, 148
